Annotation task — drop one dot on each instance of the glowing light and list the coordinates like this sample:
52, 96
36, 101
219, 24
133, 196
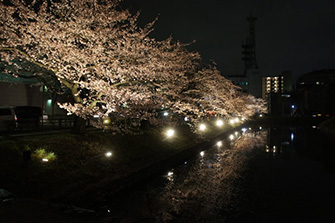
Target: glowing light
170, 174
202, 127
202, 153
237, 120
292, 136
45, 160
232, 121
170, 133
314, 126
236, 133
165, 113
186, 119
219, 143
244, 130
260, 128
243, 119
106, 121
319, 115
260, 115
108, 154
219, 122
95, 116
293, 106
231, 137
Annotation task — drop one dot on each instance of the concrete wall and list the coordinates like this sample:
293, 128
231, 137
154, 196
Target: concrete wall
20, 94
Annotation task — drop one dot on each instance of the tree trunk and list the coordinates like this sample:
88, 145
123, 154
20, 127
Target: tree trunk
79, 125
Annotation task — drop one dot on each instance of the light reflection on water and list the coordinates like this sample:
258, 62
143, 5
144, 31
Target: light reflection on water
205, 188
209, 179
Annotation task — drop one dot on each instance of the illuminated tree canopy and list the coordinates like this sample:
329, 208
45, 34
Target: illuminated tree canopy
111, 66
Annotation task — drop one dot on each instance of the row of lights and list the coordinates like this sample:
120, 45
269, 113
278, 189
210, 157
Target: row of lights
202, 127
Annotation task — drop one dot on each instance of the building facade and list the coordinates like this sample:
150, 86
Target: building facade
315, 93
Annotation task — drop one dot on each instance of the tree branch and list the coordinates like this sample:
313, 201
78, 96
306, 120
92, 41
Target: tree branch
28, 57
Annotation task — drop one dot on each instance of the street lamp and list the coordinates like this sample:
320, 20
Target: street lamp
202, 127
219, 123
108, 154
170, 133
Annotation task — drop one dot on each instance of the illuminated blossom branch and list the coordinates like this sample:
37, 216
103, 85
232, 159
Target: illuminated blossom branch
110, 66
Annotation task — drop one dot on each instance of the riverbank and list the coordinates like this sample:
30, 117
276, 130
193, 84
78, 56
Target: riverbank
77, 170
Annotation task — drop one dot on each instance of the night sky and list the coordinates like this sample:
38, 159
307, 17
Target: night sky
296, 35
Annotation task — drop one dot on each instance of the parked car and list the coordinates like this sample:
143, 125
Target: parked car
20, 118
28, 117
8, 119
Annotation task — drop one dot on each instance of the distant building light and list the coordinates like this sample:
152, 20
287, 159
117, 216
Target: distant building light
49, 102
293, 106
165, 113
317, 83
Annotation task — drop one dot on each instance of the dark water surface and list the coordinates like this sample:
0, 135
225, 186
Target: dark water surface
277, 174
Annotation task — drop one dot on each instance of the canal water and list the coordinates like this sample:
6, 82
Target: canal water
256, 174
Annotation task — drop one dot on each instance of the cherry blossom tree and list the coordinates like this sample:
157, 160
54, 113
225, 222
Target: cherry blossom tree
97, 52
109, 65
208, 92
